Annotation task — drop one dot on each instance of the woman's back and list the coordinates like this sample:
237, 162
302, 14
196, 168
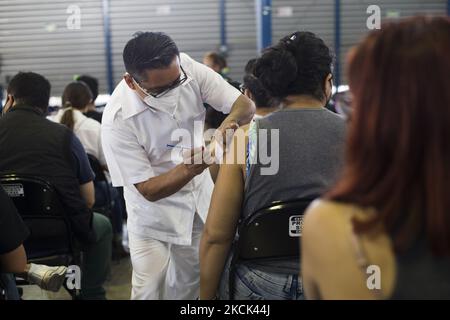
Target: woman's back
309, 152
397, 163
350, 265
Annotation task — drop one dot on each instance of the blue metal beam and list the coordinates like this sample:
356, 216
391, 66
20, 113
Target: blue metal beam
264, 23
108, 49
337, 42
223, 28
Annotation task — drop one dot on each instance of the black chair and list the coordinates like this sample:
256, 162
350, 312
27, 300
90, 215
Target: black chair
51, 239
97, 168
273, 232
101, 186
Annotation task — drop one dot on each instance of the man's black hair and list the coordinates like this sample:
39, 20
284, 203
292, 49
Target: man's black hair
30, 89
148, 50
92, 83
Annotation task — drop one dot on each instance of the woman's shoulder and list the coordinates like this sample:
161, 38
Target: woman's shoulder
328, 238
325, 207
330, 215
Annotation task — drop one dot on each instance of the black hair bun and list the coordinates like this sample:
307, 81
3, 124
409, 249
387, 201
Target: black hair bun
276, 69
298, 64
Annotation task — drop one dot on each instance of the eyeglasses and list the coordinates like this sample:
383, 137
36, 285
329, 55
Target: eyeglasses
178, 82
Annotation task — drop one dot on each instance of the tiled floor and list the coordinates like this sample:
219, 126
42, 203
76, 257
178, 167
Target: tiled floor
118, 287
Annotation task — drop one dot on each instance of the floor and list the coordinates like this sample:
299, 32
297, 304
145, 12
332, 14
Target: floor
118, 287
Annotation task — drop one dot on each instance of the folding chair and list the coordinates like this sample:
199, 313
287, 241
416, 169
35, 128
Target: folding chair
101, 189
51, 239
273, 232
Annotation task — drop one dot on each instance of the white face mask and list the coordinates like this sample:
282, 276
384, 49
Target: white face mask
167, 102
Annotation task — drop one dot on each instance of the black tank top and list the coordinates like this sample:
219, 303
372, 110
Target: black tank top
421, 275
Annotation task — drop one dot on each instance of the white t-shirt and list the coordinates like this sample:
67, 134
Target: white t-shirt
135, 138
87, 130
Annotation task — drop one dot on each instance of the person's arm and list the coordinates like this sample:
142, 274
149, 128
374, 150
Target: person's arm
14, 261
13, 233
310, 252
168, 183
88, 193
214, 172
241, 113
83, 172
101, 154
221, 224
221, 96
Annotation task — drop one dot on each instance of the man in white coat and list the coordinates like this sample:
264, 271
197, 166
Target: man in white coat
167, 199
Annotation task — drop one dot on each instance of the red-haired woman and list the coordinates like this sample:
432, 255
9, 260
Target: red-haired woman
383, 231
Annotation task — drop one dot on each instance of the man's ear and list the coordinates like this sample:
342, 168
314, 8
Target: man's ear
129, 80
329, 79
328, 85
10, 102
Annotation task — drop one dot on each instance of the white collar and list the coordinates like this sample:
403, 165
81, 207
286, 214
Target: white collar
130, 102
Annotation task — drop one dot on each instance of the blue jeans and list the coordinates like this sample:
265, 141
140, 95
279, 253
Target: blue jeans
253, 284
8, 283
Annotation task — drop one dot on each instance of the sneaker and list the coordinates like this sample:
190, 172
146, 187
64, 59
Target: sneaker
47, 278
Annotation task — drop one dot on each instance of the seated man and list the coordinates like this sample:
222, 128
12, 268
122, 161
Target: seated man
13, 259
30, 144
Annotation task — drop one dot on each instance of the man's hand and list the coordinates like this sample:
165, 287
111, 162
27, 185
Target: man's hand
168, 183
221, 140
241, 113
226, 131
196, 160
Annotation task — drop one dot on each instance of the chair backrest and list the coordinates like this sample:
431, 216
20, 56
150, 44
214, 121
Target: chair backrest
39, 205
272, 232
97, 168
102, 191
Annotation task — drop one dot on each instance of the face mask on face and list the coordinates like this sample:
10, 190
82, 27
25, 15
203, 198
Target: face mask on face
167, 102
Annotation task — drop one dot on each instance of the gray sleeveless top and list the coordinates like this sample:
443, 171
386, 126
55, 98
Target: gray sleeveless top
310, 155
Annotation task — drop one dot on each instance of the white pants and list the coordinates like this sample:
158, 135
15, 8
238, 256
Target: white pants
165, 271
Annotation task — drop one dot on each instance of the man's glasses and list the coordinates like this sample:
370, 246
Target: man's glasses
182, 79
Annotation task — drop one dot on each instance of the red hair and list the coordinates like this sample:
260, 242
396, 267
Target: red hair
398, 144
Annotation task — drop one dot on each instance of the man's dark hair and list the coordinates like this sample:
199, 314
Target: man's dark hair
92, 83
148, 50
31, 89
